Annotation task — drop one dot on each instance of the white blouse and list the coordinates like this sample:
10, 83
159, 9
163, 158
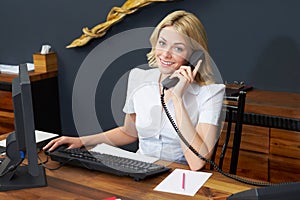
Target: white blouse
157, 137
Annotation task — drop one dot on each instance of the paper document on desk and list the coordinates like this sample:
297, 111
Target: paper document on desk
14, 69
115, 151
192, 182
40, 136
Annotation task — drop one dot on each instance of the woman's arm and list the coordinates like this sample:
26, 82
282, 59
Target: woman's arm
119, 136
201, 138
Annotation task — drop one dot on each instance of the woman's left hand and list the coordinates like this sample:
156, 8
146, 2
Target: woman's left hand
186, 76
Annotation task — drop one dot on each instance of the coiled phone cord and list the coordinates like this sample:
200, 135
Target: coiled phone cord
200, 156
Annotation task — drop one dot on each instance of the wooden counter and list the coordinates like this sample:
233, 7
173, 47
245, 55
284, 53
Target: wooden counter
283, 104
79, 183
45, 101
270, 146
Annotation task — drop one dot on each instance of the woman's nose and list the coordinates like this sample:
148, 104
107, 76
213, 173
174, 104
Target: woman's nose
167, 53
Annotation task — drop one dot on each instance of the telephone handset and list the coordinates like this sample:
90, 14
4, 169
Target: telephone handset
195, 57
168, 82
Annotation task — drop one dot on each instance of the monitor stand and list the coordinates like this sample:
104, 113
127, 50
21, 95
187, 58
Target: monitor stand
13, 175
20, 179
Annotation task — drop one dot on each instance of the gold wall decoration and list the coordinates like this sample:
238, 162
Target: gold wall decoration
115, 15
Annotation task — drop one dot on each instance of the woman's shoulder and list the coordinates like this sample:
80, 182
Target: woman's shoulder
144, 75
204, 94
212, 88
200, 89
210, 93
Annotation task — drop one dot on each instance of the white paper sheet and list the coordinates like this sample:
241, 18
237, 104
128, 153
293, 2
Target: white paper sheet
111, 150
39, 137
192, 183
14, 69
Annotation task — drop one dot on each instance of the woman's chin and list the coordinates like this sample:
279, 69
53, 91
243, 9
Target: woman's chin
166, 70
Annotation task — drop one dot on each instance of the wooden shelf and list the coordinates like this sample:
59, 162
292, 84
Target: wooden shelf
34, 76
6, 114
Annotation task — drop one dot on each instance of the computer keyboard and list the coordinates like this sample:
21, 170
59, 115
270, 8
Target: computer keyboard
106, 163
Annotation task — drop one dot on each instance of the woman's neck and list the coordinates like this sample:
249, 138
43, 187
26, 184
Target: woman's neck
162, 77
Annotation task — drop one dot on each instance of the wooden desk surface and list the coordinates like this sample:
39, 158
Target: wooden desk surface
34, 76
78, 183
283, 104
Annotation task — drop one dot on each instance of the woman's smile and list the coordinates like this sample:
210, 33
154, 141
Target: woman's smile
165, 62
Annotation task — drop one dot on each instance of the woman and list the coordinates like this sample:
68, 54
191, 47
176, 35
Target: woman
195, 101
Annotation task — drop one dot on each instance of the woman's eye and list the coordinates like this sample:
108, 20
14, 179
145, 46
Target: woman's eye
161, 43
178, 49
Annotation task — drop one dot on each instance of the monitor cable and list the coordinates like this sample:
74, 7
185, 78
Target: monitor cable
12, 168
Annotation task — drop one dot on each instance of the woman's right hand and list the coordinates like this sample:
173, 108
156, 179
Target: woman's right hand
72, 142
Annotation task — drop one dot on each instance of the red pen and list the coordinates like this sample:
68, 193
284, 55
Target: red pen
183, 181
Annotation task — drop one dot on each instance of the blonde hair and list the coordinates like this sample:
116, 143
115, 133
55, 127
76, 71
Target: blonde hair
189, 25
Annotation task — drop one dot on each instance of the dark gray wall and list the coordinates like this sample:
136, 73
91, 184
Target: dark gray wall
254, 41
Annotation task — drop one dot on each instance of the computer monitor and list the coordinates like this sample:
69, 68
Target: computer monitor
21, 143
